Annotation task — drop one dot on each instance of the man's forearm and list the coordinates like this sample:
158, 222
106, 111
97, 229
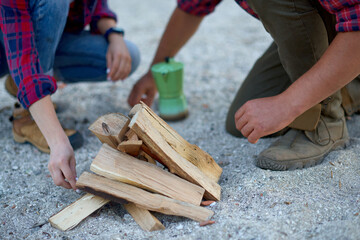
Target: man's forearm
339, 65
179, 30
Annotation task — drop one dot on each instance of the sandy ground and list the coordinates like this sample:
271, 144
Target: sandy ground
256, 204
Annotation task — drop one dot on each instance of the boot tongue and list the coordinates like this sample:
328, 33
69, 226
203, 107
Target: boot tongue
20, 112
319, 136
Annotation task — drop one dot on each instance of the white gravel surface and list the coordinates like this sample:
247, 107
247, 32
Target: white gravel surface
256, 204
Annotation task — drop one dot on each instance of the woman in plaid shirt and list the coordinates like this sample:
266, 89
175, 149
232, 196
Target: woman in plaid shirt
40, 38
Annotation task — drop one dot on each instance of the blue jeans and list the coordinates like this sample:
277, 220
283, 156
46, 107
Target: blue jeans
73, 57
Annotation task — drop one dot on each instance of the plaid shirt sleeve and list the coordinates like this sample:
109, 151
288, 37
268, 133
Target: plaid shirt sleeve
21, 52
246, 7
347, 13
198, 7
101, 11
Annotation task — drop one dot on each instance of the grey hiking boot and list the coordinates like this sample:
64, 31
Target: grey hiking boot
351, 97
298, 149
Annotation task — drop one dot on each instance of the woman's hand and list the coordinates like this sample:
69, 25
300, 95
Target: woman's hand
62, 160
62, 165
118, 58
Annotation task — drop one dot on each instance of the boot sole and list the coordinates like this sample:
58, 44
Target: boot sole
271, 164
76, 141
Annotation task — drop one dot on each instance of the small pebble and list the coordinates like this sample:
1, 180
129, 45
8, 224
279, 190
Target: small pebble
15, 167
179, 227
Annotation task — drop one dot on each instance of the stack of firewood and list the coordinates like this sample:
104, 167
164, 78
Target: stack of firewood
126, 171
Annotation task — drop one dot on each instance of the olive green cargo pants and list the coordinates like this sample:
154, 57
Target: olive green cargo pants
302, 31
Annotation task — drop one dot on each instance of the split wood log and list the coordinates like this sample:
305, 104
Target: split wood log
146, 157
72, 215
110, 128
124, 168
131, 147
150, 153
144, 218
173, 160
131, 135
117, 191
190, 152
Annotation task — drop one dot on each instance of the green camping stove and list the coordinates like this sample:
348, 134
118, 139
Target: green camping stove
168, 76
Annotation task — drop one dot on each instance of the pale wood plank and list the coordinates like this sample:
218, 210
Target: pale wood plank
72, 215
131, 135
110, 128
146, 131
144, 218
146, 157
113, 133
131, 147
190, 152
124, 168
117, 191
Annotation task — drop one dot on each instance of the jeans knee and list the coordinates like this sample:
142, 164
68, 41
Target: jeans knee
49, 18
135, 55
53, 11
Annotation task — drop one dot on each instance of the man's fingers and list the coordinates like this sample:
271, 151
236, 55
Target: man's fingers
59, 180
239, 113
246, 130
254, 136
150, 95
148, 101
134, 97
136, 94
240, 123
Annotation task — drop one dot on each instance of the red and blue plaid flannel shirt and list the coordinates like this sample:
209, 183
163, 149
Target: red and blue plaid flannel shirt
20, 47
347, 11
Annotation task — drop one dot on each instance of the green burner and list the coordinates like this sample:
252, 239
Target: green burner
168, 76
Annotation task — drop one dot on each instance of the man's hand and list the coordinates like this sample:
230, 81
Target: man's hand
62, 165
118, 58
144, 90
179, 30
264, 116
339, 65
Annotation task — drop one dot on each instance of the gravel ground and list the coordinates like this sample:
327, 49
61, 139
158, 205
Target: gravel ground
256, 204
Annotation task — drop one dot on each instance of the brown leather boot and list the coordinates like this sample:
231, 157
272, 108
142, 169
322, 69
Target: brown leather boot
25, 130
298, 149
10, 86
351, 97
